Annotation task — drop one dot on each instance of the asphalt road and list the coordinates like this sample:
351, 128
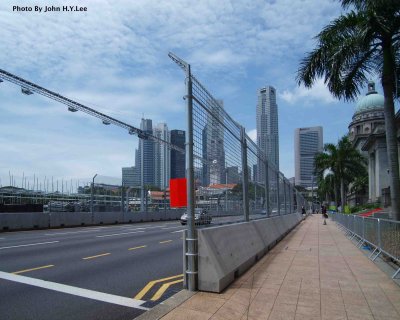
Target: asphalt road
103, 272
110, 272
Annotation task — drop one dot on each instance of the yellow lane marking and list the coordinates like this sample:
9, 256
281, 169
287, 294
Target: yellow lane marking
99, 255
163, 288
137, 247
38, 268
146, 289
166, 241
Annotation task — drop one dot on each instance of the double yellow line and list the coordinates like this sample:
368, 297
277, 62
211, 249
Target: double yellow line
162, 289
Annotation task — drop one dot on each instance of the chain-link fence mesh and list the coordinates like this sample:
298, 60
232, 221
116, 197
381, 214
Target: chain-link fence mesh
233, 178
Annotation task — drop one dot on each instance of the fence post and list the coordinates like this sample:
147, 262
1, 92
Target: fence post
191, 253
379, 234
284, 194
245, 175
267, 204
278, 203
363, 228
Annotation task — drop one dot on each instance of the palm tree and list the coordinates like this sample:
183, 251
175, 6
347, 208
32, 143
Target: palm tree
326, 187
344, 161
361, 43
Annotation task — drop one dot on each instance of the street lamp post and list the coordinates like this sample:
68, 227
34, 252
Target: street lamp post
92, 197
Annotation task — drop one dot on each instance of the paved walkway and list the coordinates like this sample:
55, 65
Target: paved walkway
314, 273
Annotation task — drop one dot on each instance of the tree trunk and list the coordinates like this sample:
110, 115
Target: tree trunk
391, 134
336, 195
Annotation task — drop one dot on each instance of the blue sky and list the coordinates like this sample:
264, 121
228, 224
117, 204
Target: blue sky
114, 58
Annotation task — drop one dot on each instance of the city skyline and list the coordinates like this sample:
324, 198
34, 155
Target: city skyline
113, 58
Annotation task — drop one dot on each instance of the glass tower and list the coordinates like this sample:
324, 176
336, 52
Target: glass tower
267, 127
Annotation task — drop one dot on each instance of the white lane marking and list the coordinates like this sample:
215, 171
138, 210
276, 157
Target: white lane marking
171, 228
143, 226
80, 292
72, 232
28, 245
117, 234
178, 231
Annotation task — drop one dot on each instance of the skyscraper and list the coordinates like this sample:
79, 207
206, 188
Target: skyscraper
128, 177
307, 143
177, 158
146, 154
213, 146
267, 127
161, 157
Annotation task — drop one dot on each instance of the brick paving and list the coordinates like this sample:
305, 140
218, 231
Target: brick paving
315, 272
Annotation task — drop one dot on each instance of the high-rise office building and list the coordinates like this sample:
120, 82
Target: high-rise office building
136, 178
267, 128
307, 143
128, 177
162, 158
177, 158
146, 154
213, 145
232, 175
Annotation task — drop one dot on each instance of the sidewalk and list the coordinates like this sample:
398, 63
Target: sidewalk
313, 273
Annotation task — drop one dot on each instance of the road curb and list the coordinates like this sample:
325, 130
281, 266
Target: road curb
166, 306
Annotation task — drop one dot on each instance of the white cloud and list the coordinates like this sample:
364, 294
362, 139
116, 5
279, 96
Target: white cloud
318, 93
114, 58
252, 135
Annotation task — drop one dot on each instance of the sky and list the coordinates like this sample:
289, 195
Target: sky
114, 58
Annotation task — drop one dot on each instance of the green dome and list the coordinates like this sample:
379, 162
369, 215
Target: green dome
372, 101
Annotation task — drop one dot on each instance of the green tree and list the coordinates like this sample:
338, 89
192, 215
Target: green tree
327, 189
364, 41
345, 163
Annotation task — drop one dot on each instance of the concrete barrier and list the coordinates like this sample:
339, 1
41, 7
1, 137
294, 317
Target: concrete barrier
39, 220
29, 220
227, 251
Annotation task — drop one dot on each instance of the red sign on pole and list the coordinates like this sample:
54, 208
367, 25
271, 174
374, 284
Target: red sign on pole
177, 193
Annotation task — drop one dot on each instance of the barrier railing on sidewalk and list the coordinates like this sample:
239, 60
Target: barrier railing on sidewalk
383, 235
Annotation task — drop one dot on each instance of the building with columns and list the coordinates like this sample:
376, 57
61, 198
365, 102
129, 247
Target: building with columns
367, 133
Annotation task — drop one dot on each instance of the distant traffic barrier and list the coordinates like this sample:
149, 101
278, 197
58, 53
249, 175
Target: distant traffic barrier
381, 234
41, 220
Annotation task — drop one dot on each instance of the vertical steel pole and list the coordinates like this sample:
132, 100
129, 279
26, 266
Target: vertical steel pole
142, 209
312, 194
255, 195
226, 187
277, 194
266, 173
92, 198
379, 234
245, 175
191, 253
284, 194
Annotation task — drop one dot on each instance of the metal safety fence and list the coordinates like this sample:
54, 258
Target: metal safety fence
382, 235
232, 175
230, 178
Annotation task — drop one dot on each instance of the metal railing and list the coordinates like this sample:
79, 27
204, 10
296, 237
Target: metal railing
226, 171
383, 235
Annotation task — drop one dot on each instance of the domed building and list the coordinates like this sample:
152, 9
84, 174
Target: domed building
367, 133
367, 118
